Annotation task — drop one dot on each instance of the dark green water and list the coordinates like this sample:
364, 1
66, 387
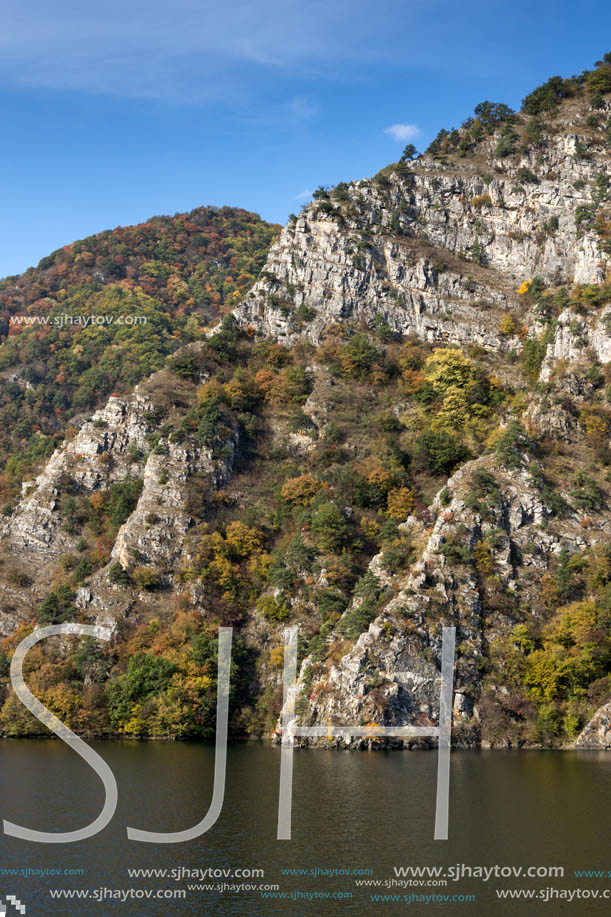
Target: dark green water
370, 810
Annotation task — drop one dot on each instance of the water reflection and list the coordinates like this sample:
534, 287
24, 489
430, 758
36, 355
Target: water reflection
365, 810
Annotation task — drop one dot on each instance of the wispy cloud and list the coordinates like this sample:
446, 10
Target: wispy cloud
196, 50
301, 108
403, 132
304, 195
293, 113
167, 48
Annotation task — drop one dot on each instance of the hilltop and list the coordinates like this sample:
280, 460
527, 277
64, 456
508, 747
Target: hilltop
173, 275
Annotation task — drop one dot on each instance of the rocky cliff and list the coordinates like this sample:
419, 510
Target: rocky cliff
437, 248
405, 427
121, 442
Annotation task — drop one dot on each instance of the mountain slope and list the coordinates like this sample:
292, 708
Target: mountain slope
404, 424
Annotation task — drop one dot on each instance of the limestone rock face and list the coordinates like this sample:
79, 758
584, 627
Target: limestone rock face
577, 339
392, 675
97, 457
402, 250
155, 531
597, 734
109, 448
556, 414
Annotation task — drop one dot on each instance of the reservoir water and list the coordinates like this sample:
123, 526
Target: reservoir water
364, 815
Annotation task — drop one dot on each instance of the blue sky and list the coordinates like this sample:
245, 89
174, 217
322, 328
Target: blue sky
116, 111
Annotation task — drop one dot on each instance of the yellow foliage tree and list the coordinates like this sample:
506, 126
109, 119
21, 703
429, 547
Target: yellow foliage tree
509, 325
400, 502
463, 391
595, 424
243, 540
300, 490
211, 389
448, 368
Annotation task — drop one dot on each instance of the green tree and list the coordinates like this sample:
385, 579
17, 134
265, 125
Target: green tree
122, 500
146, 676
477, 252
546, 96
410, 152
492, 113
439, 452
586, 494
117, 575
533, 353
534, 132
358, 356
511, 445
329, 527
599, 81
506, 144
58, 606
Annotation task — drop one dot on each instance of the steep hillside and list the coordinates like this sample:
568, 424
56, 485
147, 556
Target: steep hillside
405, 423
103, 313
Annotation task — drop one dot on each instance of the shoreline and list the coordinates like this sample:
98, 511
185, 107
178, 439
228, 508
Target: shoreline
372, 747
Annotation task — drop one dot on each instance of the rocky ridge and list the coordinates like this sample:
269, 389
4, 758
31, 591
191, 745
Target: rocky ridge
398, 249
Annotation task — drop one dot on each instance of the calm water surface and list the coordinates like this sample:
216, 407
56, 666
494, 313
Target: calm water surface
368, 810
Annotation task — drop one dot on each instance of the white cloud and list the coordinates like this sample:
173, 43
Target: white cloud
403, 132
201, 50
303, 195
